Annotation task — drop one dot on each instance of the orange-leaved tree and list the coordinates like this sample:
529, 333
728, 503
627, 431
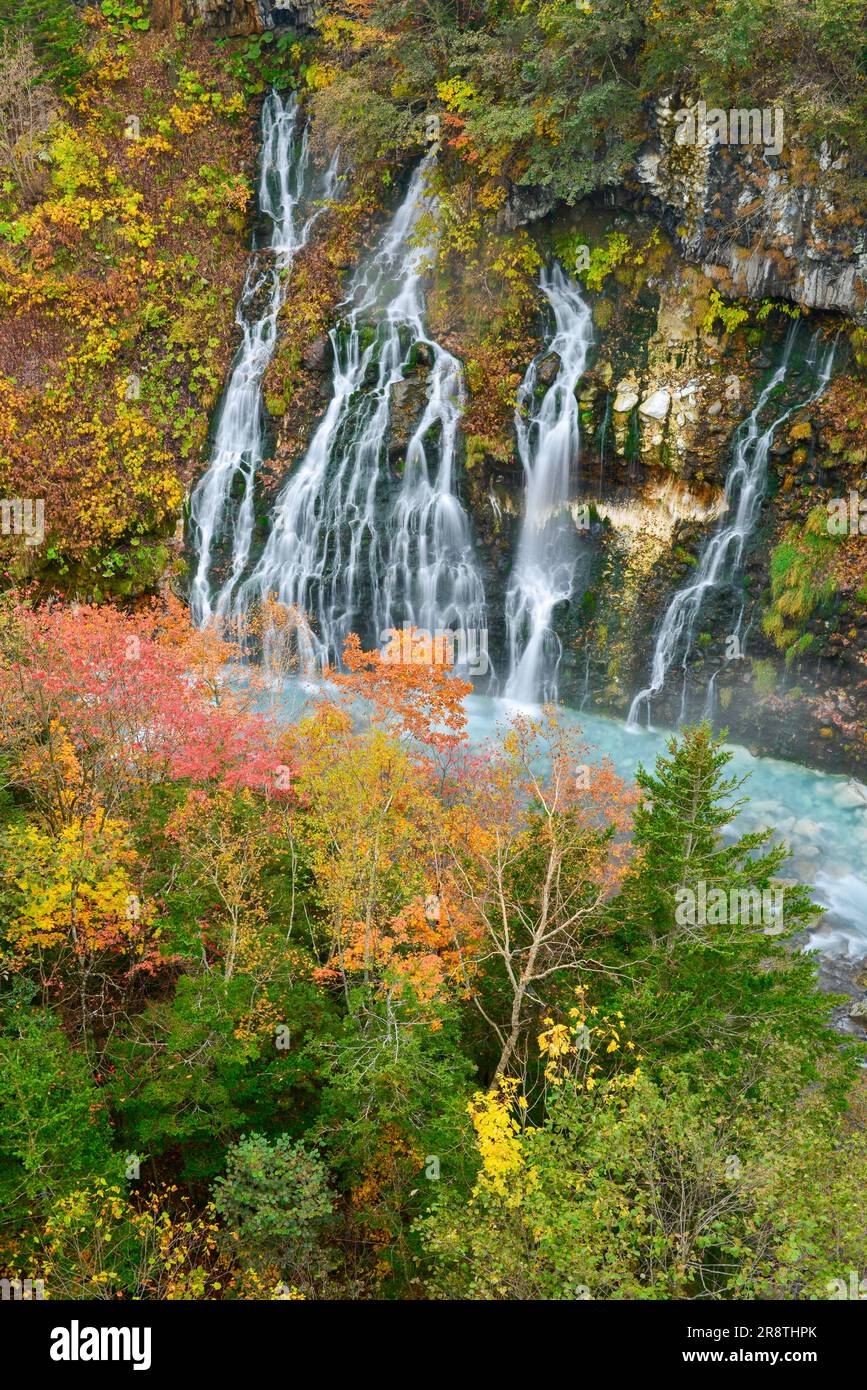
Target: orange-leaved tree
372, 814
418, 699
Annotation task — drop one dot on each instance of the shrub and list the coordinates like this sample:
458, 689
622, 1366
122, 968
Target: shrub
275, 1199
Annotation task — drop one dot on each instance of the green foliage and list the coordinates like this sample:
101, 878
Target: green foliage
802, 582
394, 1098
125, 14
674, 1194
728, 987
58, 35
274, 1198
533, 93
777, 306
807, 57
764, 676
858, 339
264, 60
554, 95
188, 1074
605, 259
731, 316
54, 1127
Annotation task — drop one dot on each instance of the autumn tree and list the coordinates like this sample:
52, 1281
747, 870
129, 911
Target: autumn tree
100, 1242
77, 923
223, 849
372, 815
539, 849
416, 698
130, 697
28, 108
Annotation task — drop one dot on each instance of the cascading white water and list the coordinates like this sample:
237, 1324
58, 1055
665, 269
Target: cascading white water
348, 547
548, 444
722, 557
291, 197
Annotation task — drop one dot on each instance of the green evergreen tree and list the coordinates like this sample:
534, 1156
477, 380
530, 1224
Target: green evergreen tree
703, 927
275, 1201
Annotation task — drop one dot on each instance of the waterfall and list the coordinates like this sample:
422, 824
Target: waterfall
722, 557
548, 445
287, 197
351, 546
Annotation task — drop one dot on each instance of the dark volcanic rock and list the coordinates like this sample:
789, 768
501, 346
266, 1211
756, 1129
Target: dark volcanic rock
548, 368
524, 205
316, 356
758, 228
408, 400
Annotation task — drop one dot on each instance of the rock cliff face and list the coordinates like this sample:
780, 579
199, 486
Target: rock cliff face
665, 389
237, 17
761, 224
763, 220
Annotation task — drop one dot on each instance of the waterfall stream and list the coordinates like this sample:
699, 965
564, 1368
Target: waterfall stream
368, 533
290, 196
721, 559
548, 444
351, 546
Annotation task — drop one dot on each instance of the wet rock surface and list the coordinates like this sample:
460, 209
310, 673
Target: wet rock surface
408, 399
756, 228
317, 357
840, 974
524, 205
235, 18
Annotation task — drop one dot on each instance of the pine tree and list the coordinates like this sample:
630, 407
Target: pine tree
704, 923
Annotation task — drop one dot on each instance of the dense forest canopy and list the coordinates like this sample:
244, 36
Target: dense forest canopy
319, 995
556, 94
421, 1021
